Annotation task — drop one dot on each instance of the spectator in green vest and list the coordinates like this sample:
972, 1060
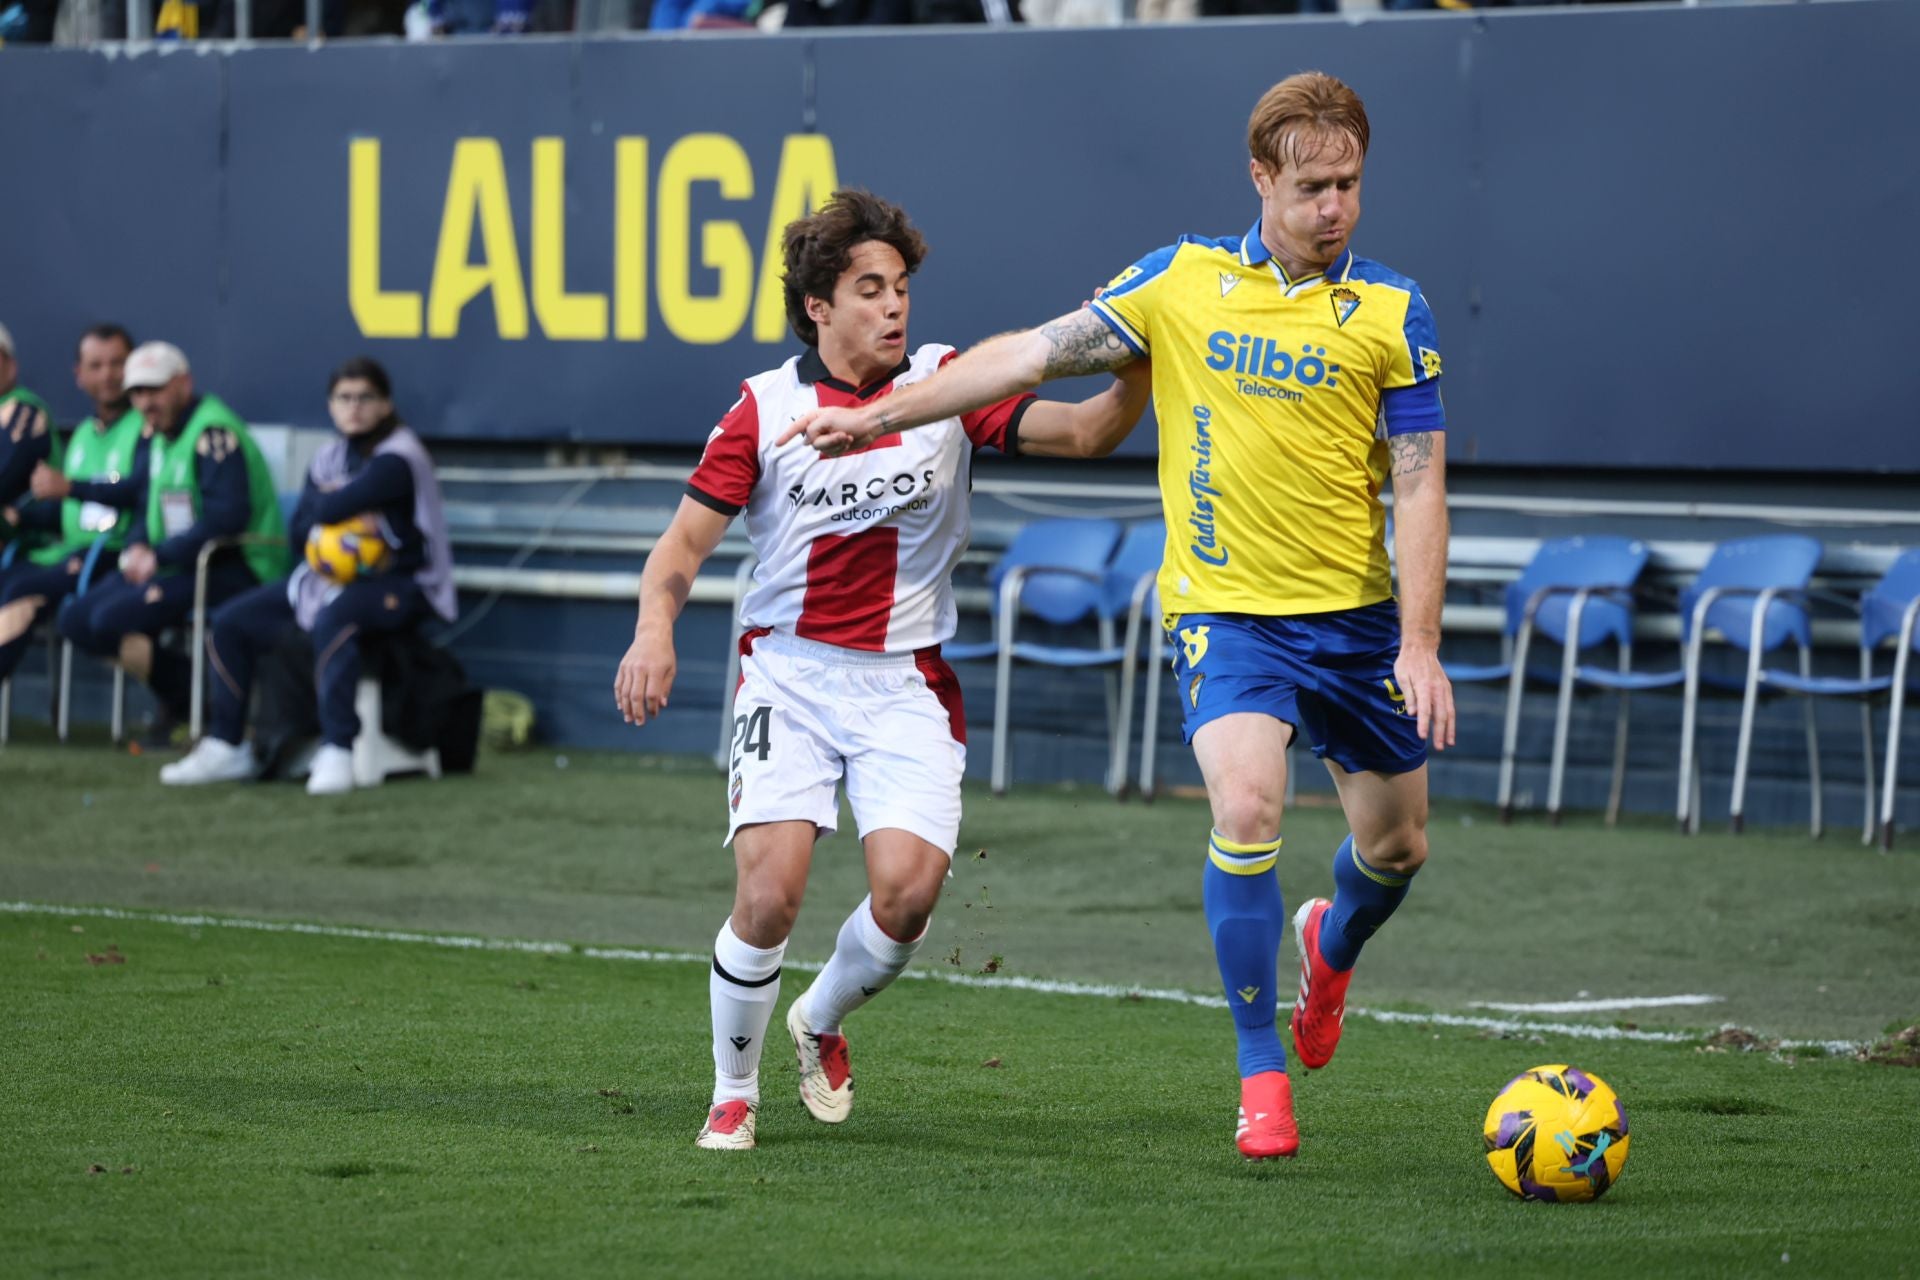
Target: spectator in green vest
207, 483
87, 500
26, 431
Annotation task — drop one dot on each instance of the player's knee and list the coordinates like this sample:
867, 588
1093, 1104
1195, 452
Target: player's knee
332, 635
764, 913
903, 911
1400, 850
1248, 815
332, 616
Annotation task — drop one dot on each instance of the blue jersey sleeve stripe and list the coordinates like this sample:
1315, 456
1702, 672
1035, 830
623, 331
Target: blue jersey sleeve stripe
1414, 408
1145, 271
1121, 327
1420, 335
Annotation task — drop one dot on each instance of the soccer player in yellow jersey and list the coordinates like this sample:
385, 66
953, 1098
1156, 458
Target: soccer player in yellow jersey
1290, 379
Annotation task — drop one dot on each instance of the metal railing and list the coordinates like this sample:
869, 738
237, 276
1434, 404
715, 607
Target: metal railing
1475, 560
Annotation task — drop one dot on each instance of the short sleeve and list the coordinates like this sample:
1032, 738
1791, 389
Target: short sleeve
730, 465
997, 425
1130, 299
1418, 358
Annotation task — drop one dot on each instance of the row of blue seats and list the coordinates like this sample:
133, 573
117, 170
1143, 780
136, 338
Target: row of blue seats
1065, 572
1752, 595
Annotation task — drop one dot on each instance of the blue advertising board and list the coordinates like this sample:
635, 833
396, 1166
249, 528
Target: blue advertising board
1660, 238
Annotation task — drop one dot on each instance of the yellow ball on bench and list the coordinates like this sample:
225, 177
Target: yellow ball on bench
348, 550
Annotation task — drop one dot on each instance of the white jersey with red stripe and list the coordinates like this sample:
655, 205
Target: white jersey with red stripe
856, 550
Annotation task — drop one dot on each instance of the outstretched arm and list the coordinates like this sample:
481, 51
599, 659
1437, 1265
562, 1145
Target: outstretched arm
645, 677
1077, 343
1420, 551
1094, 427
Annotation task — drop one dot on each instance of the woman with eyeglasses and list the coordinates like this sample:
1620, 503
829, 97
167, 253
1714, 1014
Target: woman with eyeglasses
376, 475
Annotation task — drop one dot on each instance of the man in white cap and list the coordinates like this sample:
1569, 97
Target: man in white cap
206, 480
26, 431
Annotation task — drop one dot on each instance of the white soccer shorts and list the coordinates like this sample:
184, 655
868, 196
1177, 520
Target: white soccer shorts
808, 715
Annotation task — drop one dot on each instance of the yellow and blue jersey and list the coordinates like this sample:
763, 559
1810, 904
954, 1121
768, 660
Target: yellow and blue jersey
1275, 397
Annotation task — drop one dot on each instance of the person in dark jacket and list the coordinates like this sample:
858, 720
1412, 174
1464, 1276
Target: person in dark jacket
200, 482
376, 471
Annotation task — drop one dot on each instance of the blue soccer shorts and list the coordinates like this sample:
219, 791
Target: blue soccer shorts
1329, 675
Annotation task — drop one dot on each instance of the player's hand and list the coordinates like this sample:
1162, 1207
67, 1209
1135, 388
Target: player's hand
49, 482
138, 563
833, 431
645, 678
1429, 694
11, 516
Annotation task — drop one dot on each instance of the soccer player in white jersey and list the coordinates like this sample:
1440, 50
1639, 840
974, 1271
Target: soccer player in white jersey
841, 674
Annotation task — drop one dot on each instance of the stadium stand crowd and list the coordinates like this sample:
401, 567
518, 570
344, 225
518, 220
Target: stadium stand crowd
86, 21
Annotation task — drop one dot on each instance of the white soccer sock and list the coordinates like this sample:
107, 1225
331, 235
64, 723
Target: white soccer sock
864, 962
743, 989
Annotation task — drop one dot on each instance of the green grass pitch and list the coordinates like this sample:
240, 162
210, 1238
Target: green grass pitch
275, 1103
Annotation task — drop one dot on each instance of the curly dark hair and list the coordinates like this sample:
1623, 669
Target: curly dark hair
818, 248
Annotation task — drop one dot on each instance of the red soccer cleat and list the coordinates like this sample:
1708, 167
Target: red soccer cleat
1266, 1130
1322, 1006
729, 1126
826, 1074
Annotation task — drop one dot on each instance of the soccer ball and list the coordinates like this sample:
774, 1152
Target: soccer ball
342, 552
1556, 1133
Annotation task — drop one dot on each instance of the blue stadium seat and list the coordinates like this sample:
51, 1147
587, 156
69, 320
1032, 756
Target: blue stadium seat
1892, 609
1746, 595
1887, 612
1056, 571
1579, 587
1130, 591
1160, 654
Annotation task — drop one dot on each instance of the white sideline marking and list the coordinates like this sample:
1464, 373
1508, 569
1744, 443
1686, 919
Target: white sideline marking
1596, 1006
1044, 986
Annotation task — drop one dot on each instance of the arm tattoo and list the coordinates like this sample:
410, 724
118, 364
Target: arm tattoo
1082, 343
1412, 451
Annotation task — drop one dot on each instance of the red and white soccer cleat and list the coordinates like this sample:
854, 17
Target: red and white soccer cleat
1266, 1130
826, 1075
729, 1126
1322, 1006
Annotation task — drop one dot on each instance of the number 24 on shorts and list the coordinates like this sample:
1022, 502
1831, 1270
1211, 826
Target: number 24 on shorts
751, 732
